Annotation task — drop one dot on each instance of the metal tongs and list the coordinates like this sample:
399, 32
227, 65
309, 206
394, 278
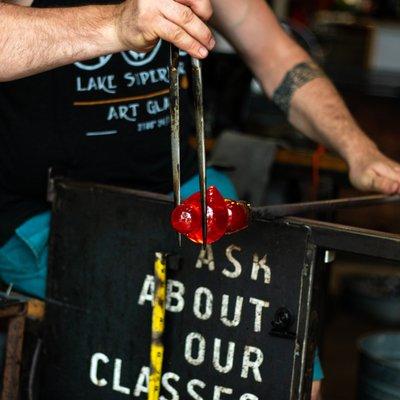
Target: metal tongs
175, 133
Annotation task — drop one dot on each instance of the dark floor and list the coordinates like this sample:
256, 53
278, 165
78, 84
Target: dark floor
344, 328
340, 355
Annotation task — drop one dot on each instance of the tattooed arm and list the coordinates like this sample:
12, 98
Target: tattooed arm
297, 85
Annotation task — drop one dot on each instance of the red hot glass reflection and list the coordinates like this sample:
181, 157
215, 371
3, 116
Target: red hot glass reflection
224, 216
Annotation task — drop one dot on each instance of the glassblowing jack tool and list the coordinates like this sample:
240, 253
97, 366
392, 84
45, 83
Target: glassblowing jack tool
175, 133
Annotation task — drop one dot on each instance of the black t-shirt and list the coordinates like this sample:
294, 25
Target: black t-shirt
105, 120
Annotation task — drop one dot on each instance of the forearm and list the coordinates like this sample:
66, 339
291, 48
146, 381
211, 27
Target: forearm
33, 40
315, 108
318, 111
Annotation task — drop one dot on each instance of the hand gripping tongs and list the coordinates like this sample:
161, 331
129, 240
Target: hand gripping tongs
175, 132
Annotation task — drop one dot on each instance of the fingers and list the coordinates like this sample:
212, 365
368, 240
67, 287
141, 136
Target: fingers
387, 177
389, 169
173, 33
141, 23
185, 18
372, 179
201, 8
381, 174
384, 185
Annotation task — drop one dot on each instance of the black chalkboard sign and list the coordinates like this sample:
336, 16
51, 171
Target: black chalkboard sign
238, 315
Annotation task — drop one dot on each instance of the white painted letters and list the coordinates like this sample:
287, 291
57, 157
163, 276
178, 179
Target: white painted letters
210, 306
252, 364
190, 388
260, 264
219, 390
94, 364
217, 356
142, 383
168, 376
175, 292
260, 304
147, 292
237, 314
117, 378
199, 359
206, 257
237, 267
199, 294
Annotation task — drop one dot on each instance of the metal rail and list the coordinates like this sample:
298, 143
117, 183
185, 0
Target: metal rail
285, 210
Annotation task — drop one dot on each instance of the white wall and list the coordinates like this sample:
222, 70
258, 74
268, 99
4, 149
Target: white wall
385, 52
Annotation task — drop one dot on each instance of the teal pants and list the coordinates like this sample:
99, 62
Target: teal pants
23, 259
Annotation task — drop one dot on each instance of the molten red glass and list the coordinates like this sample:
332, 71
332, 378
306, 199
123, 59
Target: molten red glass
238, 215
185, 218
224, 216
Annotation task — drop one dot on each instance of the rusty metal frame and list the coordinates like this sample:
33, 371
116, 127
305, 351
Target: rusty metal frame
305, 344
16, 314
368, 242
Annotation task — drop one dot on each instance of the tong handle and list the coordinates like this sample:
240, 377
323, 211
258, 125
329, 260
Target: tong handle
201, 148
175, 127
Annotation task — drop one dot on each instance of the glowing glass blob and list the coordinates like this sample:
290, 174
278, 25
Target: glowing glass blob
224, 216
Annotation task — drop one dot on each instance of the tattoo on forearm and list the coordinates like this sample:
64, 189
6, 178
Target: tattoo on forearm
298, 76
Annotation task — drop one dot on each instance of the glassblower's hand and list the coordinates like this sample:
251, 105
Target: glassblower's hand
370, 170
139, 24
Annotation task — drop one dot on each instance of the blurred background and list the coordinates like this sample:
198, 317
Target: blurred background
357, 42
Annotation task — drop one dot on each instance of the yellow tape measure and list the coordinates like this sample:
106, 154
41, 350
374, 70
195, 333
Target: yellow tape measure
157, 326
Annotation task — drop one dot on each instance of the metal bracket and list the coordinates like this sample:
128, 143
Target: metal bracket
282, 322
